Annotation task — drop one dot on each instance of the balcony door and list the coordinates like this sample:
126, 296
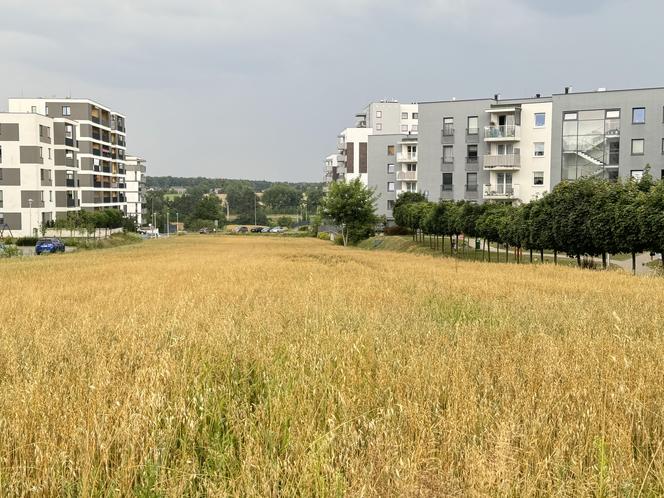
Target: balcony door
504, 183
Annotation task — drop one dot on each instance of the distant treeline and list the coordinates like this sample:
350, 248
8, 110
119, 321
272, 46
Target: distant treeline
168, 182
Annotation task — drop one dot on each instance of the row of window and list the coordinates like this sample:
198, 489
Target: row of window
404, 128
502, 149
639, 146
472, 123
404, 115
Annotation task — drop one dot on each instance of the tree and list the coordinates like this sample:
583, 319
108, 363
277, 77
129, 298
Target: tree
651, 219
351, 206
628, 232
281, 198
209, 208
241, 199
409, 198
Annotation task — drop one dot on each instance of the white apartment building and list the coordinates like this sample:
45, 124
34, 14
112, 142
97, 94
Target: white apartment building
376, 119
57, 156
135, 179
518, 143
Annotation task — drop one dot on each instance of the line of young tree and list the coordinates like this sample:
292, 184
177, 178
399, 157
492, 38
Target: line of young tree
585, 218
91, 221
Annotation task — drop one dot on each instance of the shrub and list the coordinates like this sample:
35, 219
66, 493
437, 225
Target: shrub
323, 235
396, 230
9, 251
26, 241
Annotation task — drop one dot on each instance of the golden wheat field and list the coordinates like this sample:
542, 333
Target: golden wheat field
268, 366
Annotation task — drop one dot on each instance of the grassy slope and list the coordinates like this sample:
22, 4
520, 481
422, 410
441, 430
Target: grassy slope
270, 366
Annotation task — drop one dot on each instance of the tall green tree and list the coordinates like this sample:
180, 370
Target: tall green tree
351, 206
281, 198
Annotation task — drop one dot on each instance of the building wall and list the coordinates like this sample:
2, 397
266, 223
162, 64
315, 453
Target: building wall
430, 150
379, 177
624, 100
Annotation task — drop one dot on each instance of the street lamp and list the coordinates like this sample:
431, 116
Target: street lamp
255, 197
30, 216
177, 222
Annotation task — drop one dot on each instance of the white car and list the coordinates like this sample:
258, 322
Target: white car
278, 229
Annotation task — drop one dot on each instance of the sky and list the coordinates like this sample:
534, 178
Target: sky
259, 89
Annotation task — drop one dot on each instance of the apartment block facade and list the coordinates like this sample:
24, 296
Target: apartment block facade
514, 150
135, 180
57, 156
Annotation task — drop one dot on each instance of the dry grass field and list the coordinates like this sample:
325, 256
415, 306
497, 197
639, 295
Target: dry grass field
267, 366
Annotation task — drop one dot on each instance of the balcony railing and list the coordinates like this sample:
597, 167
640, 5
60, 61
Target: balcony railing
406, 158
501, 191
448, 159
504, 161
471, 159
503, 132
406, 176
69, 182
448, 130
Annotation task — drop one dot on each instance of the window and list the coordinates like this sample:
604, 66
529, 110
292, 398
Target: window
1, 201
379, 114
41, 153
41, 196
538, 178
33, 109
0, 153
50, 196
540, 119
47, 110
636, 174
447, 181
473, 124
448, 127
411, 167
570, 116
390, 150
66, 110
379, 127
638, 115
416, 115
69, 154
448, 157
662, 149
49, 153
404, 115
413, 128
404, 128
538, 149
613, 114
390, 168
390, 186
472, 153
471, 182
638, 146
390, 205
69, 131
44, 131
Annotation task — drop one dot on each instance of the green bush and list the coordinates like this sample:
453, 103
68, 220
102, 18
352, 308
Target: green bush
396, 230
26, 241
323, 235
9, 251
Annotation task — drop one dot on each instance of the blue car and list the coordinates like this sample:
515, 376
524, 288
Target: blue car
49, 246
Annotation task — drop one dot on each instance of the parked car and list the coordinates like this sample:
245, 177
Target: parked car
256, 230
49, 246
278, 229
265, 230
241, 229
204, 230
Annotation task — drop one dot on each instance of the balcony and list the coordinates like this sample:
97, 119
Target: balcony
71, 202
406, 176
406, 158
501, 191
341, 145
447, 134
69, 182
503, 161
502, 133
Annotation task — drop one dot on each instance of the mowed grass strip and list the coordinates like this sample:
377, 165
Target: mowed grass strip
249, 366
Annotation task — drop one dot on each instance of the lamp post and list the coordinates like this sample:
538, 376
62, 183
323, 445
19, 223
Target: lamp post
168, 224
255, 197
30, 215
177, 222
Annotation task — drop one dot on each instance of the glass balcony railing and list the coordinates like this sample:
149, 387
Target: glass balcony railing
502, 132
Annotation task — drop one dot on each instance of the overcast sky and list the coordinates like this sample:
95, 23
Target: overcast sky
259, 89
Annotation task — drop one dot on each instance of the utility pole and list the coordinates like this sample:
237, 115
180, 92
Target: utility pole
168, 224
255, 197
177, 222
